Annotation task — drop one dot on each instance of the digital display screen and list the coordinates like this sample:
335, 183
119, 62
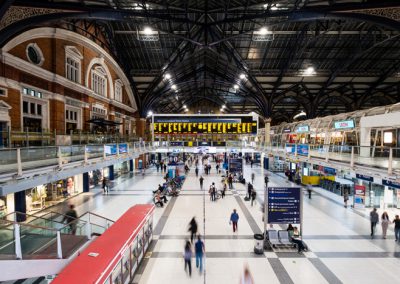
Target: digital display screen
303, 128
205, 125
343, 124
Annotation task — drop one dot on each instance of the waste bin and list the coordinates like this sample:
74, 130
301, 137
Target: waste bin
258, 243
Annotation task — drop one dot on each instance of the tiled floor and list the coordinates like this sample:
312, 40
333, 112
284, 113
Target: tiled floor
341, 249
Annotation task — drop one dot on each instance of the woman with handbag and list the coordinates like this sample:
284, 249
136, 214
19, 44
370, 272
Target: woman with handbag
385, 223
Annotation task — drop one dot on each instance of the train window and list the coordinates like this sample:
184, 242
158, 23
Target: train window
126, 265
117, 275
133, 255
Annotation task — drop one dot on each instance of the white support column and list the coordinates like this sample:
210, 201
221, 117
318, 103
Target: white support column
104, 151
117, 151
59, 247
352, 157
17, 238
295, 150
390, 166
327, 155
19, 162
365, 142
267, 134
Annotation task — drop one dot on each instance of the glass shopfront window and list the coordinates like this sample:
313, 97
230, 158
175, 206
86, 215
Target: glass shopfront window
50, 194
121, 168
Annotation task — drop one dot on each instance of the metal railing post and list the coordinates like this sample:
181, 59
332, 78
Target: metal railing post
104, 151
85, 155
17, 236
352, 157
295, 150
59, 156
117, 150
59, 247
88, 230
390, 166
19, 162
327, 154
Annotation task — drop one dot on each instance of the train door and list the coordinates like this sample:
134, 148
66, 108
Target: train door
134, 256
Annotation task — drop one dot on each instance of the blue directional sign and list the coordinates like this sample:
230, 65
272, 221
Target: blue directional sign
284, 205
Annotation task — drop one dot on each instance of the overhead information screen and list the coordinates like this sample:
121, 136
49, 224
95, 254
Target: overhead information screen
204, 125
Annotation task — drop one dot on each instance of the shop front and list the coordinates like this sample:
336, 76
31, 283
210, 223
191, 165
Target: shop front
121, 169
46, 195
374, 192
392, 193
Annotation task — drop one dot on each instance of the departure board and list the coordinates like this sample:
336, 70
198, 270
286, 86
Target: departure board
205, 125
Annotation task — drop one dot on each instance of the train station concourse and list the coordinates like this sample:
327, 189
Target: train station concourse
199, 141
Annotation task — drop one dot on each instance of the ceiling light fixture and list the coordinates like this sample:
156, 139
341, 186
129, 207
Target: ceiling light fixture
223, 106
309, 71
167, 76
150, 113
174, 87
236, 87
242, 76
184, 106
263, 31
147, 31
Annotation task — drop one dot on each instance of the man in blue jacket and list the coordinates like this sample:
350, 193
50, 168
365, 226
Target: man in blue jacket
234, 220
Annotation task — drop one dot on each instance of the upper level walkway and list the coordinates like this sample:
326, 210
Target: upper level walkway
22, 168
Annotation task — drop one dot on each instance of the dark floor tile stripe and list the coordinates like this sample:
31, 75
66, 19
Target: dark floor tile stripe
163, 220
252, 223
329, 276
208, 237
209, 255
357, 254
280, 271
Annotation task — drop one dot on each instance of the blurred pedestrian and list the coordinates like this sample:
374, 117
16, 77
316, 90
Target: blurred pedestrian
374, 218
396, 222
201, 179
187, 256
105, 185
252, 178
199, 250
71, 217
246, 278
192, 228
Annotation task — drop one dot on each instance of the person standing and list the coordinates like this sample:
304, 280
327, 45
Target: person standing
158, 167
266, 180
187, 256
252, 177
396, 222
201, 179
374, 218
105, 185
230, 181
192, 229
234, 220
253, 196
212, 192
71, 217
249, 188
199, 250
385, 223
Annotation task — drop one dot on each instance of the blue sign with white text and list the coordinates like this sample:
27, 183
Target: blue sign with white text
391, 183
365, 177
284, 205
302, 149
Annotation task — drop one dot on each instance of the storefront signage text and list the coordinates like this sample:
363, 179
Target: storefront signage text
391, 183
365, 177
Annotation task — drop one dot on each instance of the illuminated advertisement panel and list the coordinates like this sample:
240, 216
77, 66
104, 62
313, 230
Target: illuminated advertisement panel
344, 124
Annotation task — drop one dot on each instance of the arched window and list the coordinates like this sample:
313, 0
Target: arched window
99, 81
118, 90
73, 64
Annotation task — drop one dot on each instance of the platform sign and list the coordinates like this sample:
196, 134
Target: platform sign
123, 148
302, 149
284, 205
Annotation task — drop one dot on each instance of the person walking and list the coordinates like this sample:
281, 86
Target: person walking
217, 168
374, 218
71, 217
249, 188
266, 180
197, 171
234, 220
345, 199
309, 190
187, 256
158, 167
165, 168
223, 190
252, 178
105, 185
385, 223
192, 229
246, 277
253, 196
201, 179
396, 222
199, 250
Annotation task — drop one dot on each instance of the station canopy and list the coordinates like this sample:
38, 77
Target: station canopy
275, 58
